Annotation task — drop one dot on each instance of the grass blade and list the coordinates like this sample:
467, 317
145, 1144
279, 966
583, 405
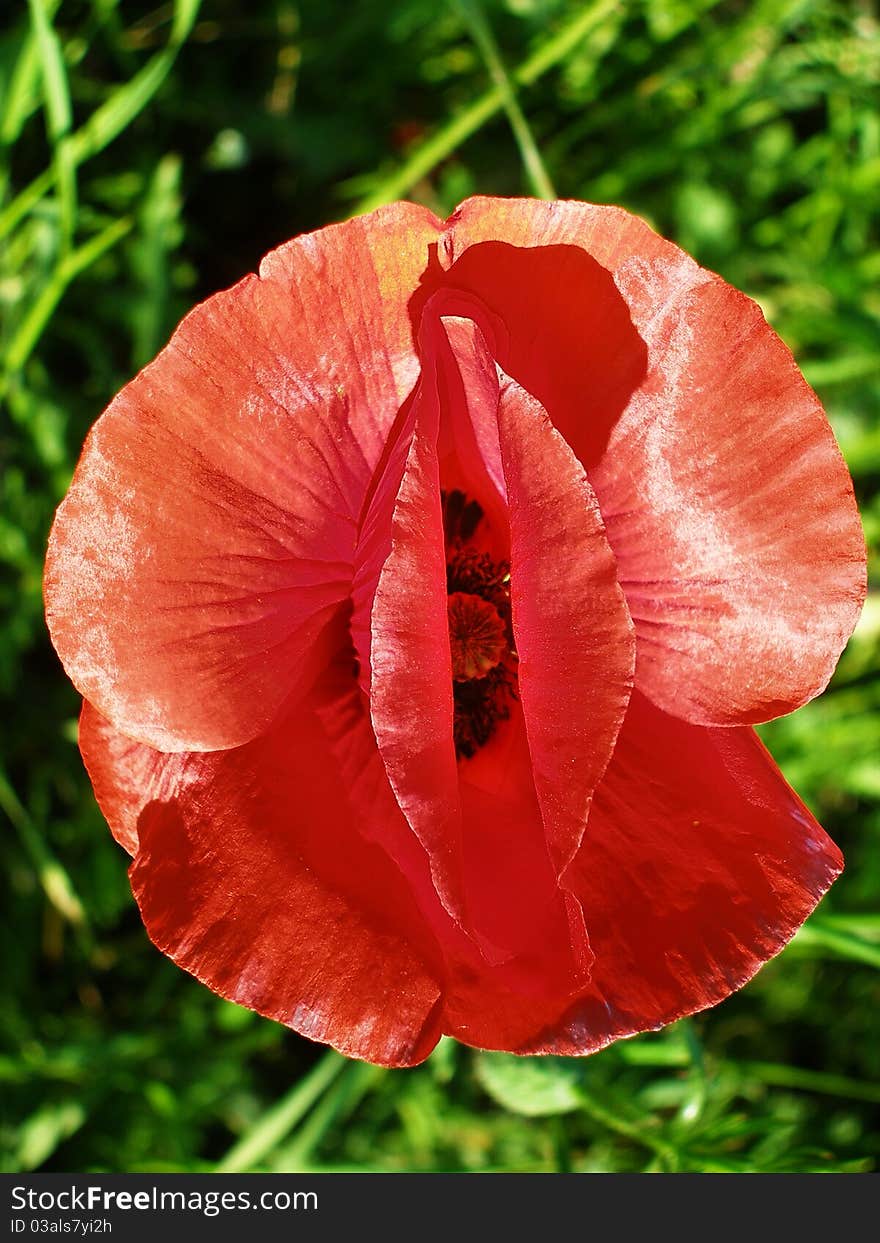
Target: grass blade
272, 1128
822, 935
112, 117
337, 1104
819, 1081
59, 114
31, 327
481, 32
22, 94
54, 880
467, 122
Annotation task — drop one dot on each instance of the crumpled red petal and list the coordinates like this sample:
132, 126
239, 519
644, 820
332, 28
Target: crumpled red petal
284, 876
491, 1001
125, 775
573, 631
249, 575
568, 611
210, 527
411, 688
699, 865
251, 875
571, 626
725, 498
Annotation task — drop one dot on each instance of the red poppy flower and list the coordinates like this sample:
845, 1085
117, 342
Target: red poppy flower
422, 593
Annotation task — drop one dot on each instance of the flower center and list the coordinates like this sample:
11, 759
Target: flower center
476, 636
480, 630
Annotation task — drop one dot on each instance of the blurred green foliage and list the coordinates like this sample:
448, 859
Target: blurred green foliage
151, 154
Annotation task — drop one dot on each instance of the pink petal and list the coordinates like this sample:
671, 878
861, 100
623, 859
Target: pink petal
725, 498
573, 633
411, 690
699, 865
571, 626
252, 875
499, 1000
209, 532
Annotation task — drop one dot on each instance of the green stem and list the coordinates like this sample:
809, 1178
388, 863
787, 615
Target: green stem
59, 115
31, 327
54, 880
821, 934
481, 33
338, 1103
820, 1081
461, 127
111, 118
21, 97
636, 1133
271, 1129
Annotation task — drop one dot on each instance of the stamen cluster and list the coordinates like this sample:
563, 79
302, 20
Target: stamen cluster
482, 699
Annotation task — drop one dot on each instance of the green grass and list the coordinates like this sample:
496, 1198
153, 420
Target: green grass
150, 155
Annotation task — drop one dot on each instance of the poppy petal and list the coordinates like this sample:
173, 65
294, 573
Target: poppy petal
699, 865
411, 689
569, 614
574, 637
511, 889
255, 854
125, 775
251, 874
552, 317
725, 498
500, 1000
409, 648
685, 897
209, 531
